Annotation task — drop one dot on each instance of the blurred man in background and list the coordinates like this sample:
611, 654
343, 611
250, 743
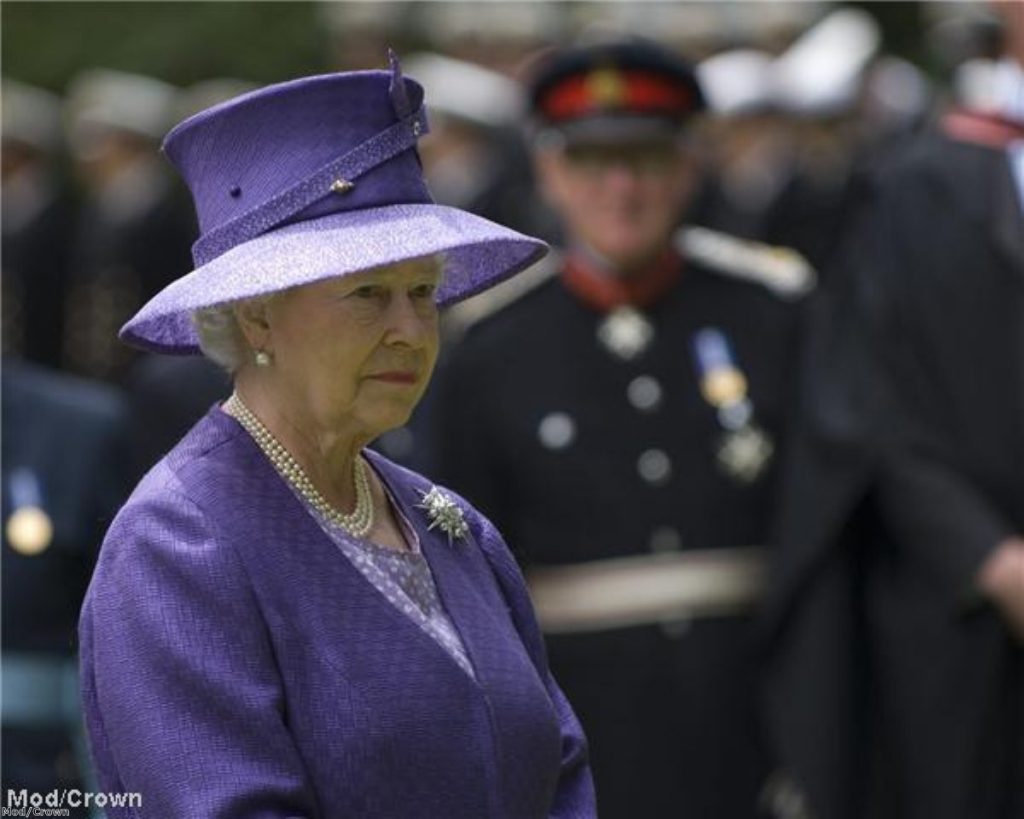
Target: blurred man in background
64, 476
619, 421
38, 224
899, 602
134, 231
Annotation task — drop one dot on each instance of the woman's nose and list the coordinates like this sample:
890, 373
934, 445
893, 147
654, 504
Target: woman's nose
407, 322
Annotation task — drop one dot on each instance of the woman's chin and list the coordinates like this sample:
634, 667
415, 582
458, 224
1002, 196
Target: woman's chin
388, 415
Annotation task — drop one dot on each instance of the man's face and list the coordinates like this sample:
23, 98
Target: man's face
622, 201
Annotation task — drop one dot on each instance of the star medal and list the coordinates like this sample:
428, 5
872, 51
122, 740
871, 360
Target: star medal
625, 332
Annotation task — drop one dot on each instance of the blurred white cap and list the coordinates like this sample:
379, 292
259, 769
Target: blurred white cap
820, 73
101, 100
31, 116
897, 91
207, 93
996, 86
502, 20
360, 18
736, 81
466, 91
974, 84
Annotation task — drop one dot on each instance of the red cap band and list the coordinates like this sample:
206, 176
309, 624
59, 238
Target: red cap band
614, 91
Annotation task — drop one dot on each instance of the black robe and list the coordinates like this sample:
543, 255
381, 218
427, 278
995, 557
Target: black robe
897, 690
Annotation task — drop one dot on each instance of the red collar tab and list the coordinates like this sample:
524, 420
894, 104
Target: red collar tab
981, 127
616, 91
604, 292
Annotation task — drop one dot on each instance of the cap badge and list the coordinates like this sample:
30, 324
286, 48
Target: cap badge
606, 87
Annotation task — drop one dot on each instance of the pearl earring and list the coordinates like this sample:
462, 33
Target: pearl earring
262, 358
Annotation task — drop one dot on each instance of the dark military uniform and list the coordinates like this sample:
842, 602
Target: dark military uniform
587, 437
63, 458
166, 396
35, 259
118, 265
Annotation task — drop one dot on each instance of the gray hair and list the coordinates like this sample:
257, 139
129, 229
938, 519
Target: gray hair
220, 336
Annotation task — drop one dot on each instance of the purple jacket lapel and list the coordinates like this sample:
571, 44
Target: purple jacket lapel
464, 579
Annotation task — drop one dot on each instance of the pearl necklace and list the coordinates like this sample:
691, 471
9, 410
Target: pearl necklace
357, 523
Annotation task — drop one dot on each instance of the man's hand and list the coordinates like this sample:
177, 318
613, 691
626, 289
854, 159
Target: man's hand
1001, 580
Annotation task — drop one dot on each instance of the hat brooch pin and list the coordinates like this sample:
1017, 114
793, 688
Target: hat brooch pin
444, 514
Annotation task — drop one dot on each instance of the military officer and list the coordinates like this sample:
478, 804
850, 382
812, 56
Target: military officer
64, 475
621, 421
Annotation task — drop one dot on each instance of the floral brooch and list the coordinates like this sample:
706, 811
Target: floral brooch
444, 514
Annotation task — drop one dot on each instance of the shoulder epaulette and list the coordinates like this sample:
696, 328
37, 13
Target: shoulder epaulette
460, 317
781, 269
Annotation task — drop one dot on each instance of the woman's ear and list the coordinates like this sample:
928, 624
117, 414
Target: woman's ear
253, 320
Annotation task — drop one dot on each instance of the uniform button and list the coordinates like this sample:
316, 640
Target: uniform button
644, 393
556, 430
654, 467
665, 539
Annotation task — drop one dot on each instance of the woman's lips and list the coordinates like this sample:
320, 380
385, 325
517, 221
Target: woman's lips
395, 377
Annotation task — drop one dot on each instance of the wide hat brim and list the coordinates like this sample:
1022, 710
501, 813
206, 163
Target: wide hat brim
478, 254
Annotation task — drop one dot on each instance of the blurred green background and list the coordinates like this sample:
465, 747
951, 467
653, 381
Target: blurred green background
45, 43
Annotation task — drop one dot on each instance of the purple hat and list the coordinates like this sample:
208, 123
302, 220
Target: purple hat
312, 179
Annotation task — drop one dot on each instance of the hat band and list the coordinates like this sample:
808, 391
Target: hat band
375, 151
624, 92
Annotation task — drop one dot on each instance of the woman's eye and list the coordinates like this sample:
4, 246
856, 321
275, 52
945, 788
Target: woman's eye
367, 291
424, 291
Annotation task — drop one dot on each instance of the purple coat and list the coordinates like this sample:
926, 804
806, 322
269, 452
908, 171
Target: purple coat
235, 664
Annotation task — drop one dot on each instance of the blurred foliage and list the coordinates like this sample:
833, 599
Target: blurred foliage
46, 43
903, 27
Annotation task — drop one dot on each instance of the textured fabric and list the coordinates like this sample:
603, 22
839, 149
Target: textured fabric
404, 578
309, 179
309, 190
234, 663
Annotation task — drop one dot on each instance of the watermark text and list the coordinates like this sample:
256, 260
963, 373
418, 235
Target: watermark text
60, 802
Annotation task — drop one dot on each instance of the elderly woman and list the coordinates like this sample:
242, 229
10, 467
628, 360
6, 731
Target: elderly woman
283, 623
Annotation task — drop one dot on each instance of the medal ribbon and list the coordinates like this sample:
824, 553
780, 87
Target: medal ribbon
23, 484
744, 448
722, 383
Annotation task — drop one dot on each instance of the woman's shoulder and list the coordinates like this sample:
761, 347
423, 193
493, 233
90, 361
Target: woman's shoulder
203, 454
178, 521
189, 478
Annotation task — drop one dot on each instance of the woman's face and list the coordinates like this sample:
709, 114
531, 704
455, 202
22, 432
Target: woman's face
356, 353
